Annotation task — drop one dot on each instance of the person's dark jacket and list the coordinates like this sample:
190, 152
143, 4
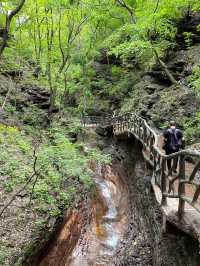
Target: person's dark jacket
168, 134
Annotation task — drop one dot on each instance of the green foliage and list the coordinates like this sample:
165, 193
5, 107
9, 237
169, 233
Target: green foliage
123, 85
14, 147
116, 72
192, 128
139, 50
60, 39
188, 38
3, 253
153, 30
31, 115
62, 167
194, 79
196, 6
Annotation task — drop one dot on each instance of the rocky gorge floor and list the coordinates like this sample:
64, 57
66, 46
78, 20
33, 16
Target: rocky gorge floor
141, 242
144, 243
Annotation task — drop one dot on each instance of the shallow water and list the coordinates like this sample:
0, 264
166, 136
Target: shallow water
109, 220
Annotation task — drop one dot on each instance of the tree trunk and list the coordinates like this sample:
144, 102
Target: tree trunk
164, 67
6, 30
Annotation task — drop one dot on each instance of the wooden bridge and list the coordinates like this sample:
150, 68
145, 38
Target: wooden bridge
178, 195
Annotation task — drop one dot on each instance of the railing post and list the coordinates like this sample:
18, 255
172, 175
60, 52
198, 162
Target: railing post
181, 188
138, 127
139, 133
135, 126
144, 133
151, 145
163, 182
127, 123
154, 167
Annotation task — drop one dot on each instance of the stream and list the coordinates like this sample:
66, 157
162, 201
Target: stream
124, 225
98, 244
108, 223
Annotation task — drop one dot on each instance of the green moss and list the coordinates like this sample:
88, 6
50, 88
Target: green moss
3, 253
192, 128
194, 79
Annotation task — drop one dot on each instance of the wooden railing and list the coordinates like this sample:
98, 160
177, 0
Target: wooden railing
97, 120
171, 186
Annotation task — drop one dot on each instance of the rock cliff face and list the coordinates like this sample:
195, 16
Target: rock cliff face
150, 93
158, 100
144, 244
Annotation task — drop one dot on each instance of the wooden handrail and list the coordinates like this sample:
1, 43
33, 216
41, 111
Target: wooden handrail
133, 124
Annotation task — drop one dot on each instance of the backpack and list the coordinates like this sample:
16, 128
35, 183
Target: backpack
174, 141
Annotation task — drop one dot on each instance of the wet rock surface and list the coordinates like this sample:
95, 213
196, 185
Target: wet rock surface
109, 219
124, 223
144, 243
94, 242
59, 249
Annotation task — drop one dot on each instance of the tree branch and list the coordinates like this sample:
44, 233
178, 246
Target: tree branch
9, 18
128, 8
7, 95
33, 188
35, 173
71, 39
60, 38
164, 67
157, 4
16, 10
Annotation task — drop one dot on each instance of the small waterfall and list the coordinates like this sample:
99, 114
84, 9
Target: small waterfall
108, 223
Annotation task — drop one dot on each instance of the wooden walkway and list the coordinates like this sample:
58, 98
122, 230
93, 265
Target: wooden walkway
190, 218
178, 195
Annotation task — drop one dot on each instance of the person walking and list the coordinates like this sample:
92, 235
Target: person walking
173, 142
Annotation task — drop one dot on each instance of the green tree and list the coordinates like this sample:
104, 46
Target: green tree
9, 15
